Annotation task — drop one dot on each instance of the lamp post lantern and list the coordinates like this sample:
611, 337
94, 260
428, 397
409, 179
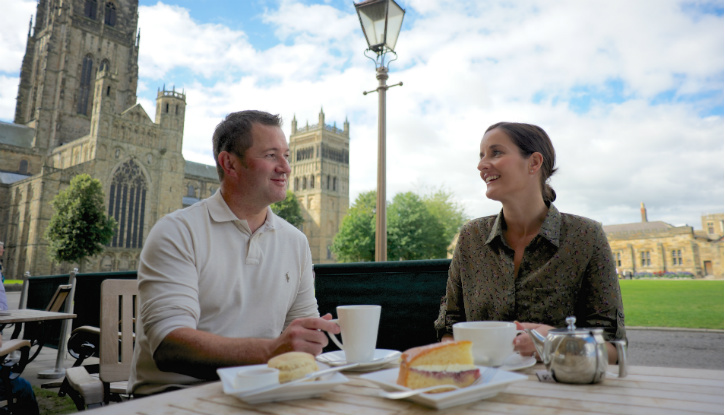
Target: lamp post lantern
381, 21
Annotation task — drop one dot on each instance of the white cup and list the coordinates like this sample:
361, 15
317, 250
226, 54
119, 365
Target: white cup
359, 324
255, 377
493, 341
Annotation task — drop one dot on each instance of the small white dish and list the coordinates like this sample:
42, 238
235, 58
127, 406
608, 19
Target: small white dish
381, 358
302, 390
517, 362
386, 379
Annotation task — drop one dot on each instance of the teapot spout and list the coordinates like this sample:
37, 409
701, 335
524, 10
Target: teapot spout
539, 342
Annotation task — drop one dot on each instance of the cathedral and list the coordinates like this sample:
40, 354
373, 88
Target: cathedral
77, 113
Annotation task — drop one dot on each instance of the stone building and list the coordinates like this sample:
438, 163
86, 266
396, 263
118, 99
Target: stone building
320, 178
654, 247
77, 113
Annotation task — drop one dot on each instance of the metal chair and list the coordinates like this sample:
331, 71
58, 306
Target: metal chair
11, 368
116, 339
35, 331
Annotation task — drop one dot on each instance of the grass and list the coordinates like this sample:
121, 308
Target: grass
666, 303
50, 403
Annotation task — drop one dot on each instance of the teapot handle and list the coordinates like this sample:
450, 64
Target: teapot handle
621, 346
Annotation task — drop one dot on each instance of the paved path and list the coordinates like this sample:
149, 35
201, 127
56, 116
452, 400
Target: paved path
702, 349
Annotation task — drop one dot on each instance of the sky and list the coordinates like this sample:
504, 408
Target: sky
630, 92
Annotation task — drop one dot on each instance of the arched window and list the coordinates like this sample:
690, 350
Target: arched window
91, 9
334, 184
127, 204
104, 65
312, 182
84, 90
304, 183
23, 168
110, 19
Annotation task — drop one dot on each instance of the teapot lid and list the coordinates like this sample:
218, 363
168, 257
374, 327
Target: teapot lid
572, 329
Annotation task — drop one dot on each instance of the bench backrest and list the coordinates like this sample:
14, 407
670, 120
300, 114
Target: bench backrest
408, 291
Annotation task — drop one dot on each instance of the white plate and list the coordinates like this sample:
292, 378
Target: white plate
517, 362
501, 379
337, 358
284, 392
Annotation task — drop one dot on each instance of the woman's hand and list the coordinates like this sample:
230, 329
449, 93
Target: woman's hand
523, 343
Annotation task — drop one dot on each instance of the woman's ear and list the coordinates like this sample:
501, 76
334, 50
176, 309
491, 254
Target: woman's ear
536, 160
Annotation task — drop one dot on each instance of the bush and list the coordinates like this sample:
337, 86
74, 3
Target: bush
664, 275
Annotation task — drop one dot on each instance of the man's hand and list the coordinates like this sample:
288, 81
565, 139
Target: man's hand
305, 335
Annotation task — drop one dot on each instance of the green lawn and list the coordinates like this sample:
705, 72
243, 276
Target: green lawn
668, 303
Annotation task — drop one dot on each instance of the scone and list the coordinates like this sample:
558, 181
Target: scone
293, 365
448, 363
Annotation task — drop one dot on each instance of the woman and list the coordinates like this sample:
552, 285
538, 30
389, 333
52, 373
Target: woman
530, 263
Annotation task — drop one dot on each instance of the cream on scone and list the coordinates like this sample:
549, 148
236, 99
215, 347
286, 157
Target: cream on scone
293, 365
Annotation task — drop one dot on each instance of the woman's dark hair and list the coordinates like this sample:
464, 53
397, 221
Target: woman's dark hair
532, 139
234, 134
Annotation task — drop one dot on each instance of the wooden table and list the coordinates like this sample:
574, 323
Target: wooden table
647, 390
26, 315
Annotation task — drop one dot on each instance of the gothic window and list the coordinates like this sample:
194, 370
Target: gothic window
104, 65
85, 85
328, 182
304, 183
334, 184
23, 168
312, 182
127, 204
110, 19
91, 9
297, 183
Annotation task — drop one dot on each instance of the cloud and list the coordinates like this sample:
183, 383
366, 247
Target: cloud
631, 93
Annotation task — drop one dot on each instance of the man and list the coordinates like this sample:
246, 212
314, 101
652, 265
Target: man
226, 282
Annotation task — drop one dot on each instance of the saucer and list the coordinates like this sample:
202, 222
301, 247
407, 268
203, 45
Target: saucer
382, 358
517, 362
283, 392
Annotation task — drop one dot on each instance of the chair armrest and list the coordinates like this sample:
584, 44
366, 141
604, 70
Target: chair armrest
87, 329
9, 346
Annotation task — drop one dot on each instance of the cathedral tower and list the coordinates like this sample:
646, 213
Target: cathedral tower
70, 44
320, 179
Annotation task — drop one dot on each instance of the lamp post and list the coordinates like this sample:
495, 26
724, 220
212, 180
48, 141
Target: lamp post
381, 21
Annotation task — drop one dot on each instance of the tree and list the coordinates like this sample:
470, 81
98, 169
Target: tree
355, 242
450, 214
413, 231
79, 228
289, 210
418, 227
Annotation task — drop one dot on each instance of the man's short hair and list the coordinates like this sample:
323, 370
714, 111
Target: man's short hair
234, 134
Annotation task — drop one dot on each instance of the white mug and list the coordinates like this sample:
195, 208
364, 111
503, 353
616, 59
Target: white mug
493, 341
359, 324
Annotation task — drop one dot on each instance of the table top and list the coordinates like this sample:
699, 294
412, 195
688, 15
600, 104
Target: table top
646, 390
27, 314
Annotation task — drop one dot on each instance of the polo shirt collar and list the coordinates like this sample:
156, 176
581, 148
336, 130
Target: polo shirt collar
550, 229
219, 211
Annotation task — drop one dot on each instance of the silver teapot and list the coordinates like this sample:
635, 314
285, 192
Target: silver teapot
575, 355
